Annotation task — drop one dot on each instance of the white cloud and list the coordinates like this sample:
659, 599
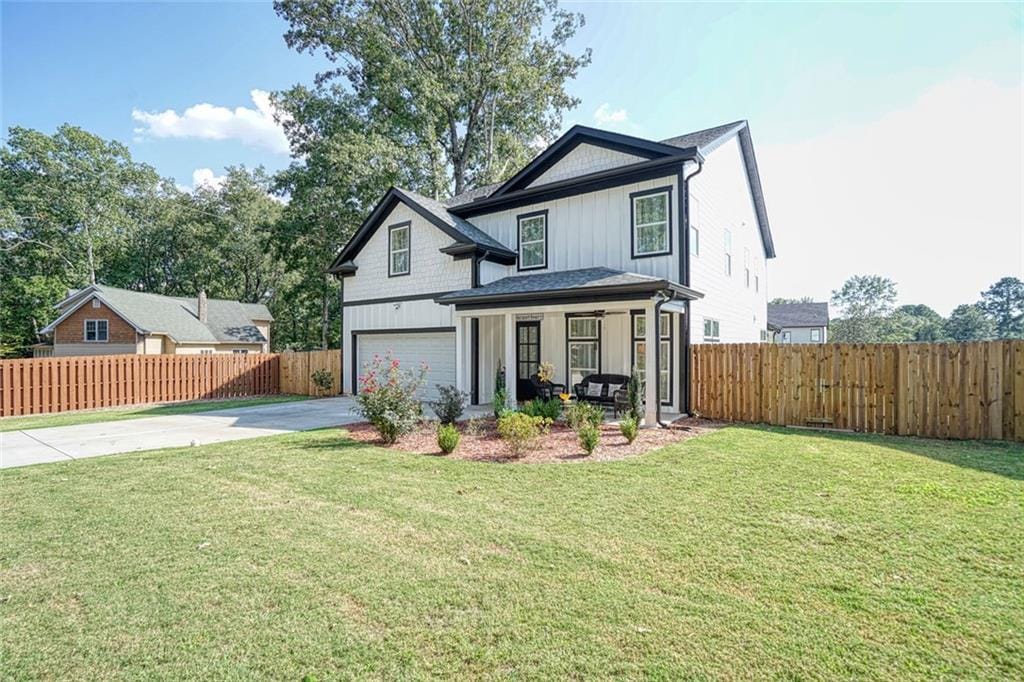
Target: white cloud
929, 195
204, 177
605, 116
253, 127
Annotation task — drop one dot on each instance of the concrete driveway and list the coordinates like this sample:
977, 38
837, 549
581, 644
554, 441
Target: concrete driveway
65, 443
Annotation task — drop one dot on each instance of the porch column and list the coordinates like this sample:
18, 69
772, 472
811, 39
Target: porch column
650, 367
460, 351
510, 357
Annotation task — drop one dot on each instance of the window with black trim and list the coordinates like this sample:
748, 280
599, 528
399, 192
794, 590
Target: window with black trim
664, 352
96, 331
712, 333
651, 223
694, 226
399, 253
583, 339
533, 240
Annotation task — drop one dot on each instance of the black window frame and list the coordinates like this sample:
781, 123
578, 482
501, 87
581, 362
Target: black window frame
407, 225
519, 240
666, 190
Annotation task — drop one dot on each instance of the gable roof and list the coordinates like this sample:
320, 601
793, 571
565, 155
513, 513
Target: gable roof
576, 136
175, 316
462, 231
798, 314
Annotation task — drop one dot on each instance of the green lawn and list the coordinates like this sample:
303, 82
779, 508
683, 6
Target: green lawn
40, 421
747, 553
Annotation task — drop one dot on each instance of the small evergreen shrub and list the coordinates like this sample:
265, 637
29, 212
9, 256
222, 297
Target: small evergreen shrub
552, 409
520, 431
387, 397
500, 401
450, 404
580, 413
635, 395
447, 438
629, 428
323, 379
589, 436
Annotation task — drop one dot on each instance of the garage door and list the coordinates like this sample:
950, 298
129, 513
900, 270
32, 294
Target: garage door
435, 349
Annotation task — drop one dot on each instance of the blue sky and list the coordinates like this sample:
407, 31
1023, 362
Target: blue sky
886, 133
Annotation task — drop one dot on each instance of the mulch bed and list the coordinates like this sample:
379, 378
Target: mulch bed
481, 442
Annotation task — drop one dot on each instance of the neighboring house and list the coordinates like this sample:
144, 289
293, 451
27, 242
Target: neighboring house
102, 320
799, 322
568, 262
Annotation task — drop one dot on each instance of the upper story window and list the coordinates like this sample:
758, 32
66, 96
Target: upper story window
728, 252
746, 267
816, 335
533, 240
757, 283
652, 218
399, 254
694, 226
96, 331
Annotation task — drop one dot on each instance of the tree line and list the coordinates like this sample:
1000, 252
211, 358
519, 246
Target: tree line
867, 313
434, 97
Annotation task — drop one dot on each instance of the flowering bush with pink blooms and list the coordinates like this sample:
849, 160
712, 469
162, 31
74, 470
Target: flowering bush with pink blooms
387, 397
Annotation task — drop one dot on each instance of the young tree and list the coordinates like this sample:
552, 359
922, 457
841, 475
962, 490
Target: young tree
1004, 303
864, 301
913, 323
469, 85
969, 322
783, 301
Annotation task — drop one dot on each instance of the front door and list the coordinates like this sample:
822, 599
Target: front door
527, 357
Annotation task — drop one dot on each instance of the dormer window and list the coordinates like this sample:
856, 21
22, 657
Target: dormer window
533, 240
398, 249
651, 222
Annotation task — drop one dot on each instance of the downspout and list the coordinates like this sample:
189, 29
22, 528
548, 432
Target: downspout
657, 355
684, 334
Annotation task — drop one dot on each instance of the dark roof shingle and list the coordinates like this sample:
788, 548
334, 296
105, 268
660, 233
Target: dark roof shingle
798, 314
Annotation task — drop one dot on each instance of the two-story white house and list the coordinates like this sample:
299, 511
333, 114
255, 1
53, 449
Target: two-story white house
604, 246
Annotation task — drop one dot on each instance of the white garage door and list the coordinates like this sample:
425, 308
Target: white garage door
437, 349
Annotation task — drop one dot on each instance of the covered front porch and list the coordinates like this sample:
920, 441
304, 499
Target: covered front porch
599, 327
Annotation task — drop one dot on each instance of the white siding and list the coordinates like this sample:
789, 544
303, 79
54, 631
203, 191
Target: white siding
585, 158
723, 201
430, 270
590, 230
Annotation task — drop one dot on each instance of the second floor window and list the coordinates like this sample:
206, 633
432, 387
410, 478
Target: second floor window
694, 226
746, 267
398, 250
533, 240
651, 229
728, 253
96, 331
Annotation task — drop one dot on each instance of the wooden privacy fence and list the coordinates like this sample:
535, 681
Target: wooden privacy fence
297, 371
939, 390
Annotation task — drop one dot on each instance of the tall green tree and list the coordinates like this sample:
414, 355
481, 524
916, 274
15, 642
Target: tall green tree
864, 301
969, 322
1004, 303
913, 323
468, 84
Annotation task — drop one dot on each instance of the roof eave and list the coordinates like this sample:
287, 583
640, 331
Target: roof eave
652, 288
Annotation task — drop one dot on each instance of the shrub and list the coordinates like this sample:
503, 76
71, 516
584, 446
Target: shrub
323, 379
521, 431
387, 397
450, 404
589, 436
552, 409
629, 428
447, 438
635, 395
500, 394
580, 413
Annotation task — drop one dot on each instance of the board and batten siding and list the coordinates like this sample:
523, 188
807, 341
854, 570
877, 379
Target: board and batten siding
720, 200
430, 270
584, 159
588, 230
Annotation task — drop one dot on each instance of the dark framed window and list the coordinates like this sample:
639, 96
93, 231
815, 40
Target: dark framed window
399, 249
639, 351
582, 347
533, 240
651, 222
96, 331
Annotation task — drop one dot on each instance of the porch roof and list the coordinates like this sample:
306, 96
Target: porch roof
571, 285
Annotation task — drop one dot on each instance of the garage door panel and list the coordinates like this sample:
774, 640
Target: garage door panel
436, 349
